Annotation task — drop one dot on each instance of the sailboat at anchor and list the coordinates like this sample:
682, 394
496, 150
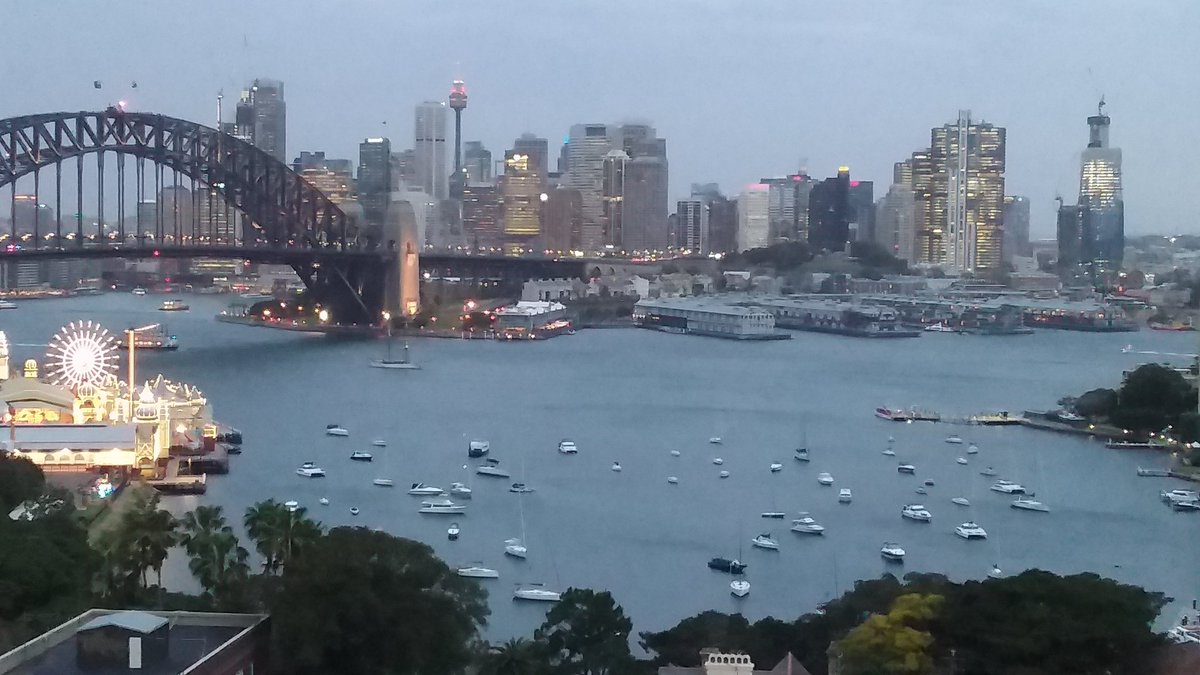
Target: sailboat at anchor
403, 363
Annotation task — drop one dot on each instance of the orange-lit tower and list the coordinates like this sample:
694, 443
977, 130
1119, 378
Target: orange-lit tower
458, 102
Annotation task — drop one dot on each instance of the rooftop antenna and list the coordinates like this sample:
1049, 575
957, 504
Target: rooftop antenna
1100, 106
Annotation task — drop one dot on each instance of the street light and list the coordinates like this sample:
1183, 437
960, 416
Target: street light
323, 315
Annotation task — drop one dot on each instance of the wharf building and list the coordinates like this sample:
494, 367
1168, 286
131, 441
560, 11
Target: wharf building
834, 316
958, 185
532, 319
713, 317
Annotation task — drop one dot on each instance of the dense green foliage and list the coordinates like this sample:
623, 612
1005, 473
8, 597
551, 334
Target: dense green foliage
20, 481
1152, 399
1036, 623
279, 533
139, 543
586, 633
1097, 403
360, 601
898, 642
216, 558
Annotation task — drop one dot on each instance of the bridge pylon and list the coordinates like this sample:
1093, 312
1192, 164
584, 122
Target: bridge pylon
402, 293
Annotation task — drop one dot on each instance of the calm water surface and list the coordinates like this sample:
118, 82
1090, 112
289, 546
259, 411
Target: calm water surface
632, 396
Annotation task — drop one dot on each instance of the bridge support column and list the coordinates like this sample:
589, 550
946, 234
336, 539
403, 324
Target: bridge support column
402, 297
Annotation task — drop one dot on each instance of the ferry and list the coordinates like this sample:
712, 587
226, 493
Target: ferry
174, 305
153, 337
139, 291
1175, 327
7, 304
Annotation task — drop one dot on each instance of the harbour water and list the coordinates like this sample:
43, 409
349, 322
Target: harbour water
633, 396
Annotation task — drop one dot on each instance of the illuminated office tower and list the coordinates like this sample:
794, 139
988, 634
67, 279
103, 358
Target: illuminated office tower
613, 190
692, 225
1101, 203
429, 150
753, 217
960, 197
521, 201
481, 217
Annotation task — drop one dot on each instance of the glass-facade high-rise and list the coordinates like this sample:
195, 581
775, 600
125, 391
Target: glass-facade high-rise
1016, 227
586, 147
261, 117
374, 178
1100, 197
829, 213
520, 190
753, 217
477, 162
960, 197
429, 149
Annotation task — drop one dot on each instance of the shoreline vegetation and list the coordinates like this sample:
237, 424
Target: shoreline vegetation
351, 599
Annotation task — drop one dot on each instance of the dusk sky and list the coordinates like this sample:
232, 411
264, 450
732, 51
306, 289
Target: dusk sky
740, 89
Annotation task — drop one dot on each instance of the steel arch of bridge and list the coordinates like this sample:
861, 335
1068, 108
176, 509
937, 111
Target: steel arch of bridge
284, 208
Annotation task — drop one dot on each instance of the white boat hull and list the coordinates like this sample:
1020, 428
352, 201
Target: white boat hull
739, 588
766, 545
492, 472
516, 551
337, 432
442, 510
394, 365
478, 573
536, 595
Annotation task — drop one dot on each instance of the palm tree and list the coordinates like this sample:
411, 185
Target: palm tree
143, 538
517, 656
217, 560
279, 532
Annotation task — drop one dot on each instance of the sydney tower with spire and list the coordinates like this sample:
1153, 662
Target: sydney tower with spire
458, 102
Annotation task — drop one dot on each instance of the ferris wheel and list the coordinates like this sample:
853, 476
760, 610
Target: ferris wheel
81, 351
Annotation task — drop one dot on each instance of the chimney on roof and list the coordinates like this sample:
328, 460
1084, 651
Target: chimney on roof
719, 663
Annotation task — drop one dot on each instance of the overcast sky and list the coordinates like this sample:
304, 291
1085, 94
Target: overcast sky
741, 89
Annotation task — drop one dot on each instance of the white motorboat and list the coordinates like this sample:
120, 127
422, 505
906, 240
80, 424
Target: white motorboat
888, 452
520, 488
988, 472
291, 505
673, 480
1026, 504
354, 510
825, 478
845, 496
477, 572
536, 594
383, 482
422, 490
723, 474
478, 448
323, 501
379, 443
916, 512
460, 490
335, 430
1173, 496
765, 540
675, 453
776, 467
739, 588
970, 530
892, 552
139, 291
922, 491
906, 468
452, 531
1185, 506
441, 507
940, 328
954, 440
807, 525
7, 304
995, 572
311, 472
1007, 487
616, 466
961, 460
961, 501
567, 447
515, 548
360, 456
773, 514
718, 461
715, 440
493, 471
972, 449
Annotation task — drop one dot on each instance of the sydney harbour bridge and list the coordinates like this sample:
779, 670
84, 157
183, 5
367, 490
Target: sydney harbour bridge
357, 274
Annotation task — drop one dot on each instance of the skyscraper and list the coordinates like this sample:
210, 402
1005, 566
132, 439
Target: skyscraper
374, 178
333, 177
829, 213
861, 199
537, 149
586, 147
1101, 201
429, 149
960, 196
477, 162
458, 103
722, 223
261, 117
753, 217
613, 195
894, 226
692, 225
481, 216
1016, 227
645, 204
563, 219
1071, 240
521, 205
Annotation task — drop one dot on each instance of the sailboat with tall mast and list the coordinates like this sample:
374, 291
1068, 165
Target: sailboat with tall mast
801, 452
388, 362
515, 547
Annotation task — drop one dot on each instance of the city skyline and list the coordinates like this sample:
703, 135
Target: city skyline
1043, 161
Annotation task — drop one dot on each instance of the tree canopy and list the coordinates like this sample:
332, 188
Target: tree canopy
360, 601
586, 633
1152, 397
897, 642
20, 481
